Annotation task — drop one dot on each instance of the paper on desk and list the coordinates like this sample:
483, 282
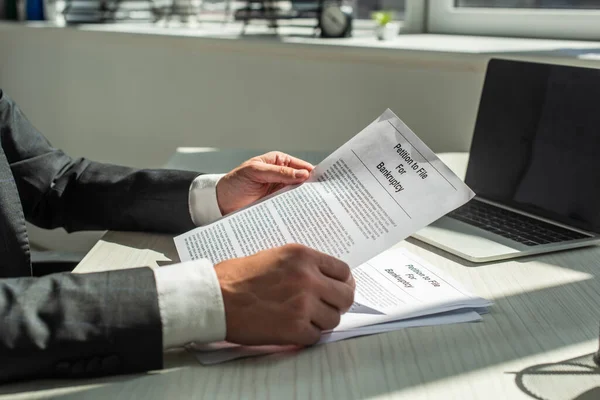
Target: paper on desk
394, 290
221, 352
397, 285
377, 189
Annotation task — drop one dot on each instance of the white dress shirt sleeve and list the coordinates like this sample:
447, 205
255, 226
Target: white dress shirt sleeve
190, 303
204, 207
189, 295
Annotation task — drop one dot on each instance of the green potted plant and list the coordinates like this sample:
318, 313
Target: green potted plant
384, 29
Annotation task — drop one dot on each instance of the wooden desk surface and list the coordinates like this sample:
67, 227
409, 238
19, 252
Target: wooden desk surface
538, 338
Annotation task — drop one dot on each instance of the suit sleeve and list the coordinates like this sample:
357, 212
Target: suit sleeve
79, 325
77, 194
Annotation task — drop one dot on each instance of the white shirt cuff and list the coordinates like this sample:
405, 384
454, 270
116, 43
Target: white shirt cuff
190, 303
204, 207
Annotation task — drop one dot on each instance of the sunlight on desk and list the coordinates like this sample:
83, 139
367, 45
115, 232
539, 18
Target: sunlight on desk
546, 311
547, 276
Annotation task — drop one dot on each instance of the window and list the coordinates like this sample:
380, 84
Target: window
364, 8
216, 9
556, 4
566, 19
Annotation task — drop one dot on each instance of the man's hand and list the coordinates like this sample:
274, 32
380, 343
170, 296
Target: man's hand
285, 295
259, 177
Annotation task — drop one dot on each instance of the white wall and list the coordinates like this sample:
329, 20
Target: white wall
132, 99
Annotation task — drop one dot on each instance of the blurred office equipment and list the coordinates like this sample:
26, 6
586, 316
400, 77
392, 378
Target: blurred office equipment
34, 10
10, 9
101, 11
332, 18
533, 164
180, 9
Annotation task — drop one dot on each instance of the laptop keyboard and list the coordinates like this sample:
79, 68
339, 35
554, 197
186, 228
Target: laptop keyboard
517, 227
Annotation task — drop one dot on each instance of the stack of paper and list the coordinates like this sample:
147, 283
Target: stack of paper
381, 186
394, 290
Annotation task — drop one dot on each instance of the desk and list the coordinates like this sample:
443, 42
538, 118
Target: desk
545, 319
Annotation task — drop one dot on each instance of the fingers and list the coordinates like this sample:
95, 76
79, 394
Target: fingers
334, 282
351, 281
279, 158
324, 316
269, 173
309, 335
279, 168
338, 286
333, 267
339, 295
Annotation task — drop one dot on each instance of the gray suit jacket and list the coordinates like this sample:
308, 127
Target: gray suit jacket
69, 325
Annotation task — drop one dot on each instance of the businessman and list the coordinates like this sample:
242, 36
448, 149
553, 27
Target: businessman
84, 325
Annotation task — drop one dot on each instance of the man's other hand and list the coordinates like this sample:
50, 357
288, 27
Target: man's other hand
258, 177
285, 295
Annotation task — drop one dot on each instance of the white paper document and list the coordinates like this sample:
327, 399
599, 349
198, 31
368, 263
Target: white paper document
374, 191
217, 353
394, 290
398, 285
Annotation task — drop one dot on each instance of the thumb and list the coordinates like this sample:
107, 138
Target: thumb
270, 173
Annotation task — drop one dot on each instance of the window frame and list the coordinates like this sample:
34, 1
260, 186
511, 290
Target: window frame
444, 17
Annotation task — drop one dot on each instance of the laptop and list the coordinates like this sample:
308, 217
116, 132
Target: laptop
534, 165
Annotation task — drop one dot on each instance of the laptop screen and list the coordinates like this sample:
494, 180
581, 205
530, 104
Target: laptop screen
536, 145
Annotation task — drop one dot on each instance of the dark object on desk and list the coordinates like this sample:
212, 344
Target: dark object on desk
333, 18
43, 269
182, 9
266, 10
10, 10
51, 262
34, 10
533, 164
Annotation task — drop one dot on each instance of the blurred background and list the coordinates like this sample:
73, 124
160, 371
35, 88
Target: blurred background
131, 81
